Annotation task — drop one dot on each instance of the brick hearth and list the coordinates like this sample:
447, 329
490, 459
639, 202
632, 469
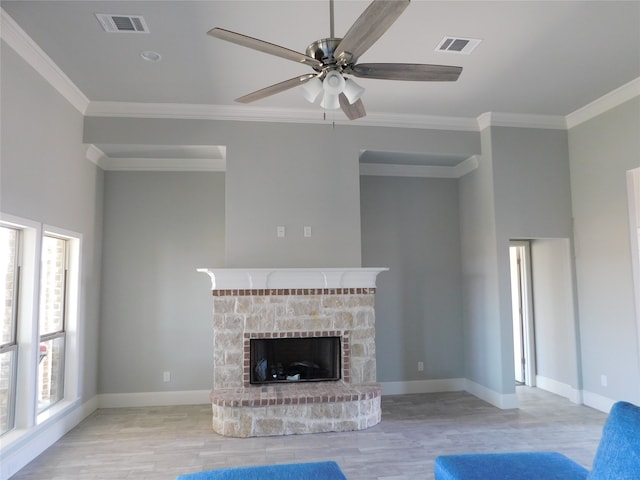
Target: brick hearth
241, 409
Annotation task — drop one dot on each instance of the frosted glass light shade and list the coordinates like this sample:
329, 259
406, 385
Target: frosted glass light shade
352, 90
312, 89
333, 83
330, 101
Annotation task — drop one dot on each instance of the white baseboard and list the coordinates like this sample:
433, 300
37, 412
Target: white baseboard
596, 401
154, 399
423, 386
563, 389
28, 444
501, 400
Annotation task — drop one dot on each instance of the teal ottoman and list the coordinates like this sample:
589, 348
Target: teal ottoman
293, 471
512, 466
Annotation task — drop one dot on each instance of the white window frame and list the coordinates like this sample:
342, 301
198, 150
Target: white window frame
12, 345
71, 350
26, 333
26, 420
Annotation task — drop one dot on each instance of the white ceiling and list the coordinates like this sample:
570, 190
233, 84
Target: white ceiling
547, 58
540, 58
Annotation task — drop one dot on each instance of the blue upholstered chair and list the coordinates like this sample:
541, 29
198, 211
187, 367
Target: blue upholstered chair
617, 458
293, 471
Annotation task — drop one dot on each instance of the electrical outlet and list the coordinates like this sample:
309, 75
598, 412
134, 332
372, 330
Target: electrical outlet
166, 376
603, 380
421, 366
280, 231
307, 231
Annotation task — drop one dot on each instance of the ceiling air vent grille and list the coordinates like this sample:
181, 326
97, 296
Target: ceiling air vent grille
122, 23
457, 45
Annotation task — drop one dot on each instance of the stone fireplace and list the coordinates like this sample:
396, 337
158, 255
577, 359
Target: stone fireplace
322, 379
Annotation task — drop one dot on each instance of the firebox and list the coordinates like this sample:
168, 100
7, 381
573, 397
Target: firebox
282, 360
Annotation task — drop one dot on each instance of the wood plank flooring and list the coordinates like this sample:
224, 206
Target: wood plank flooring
162, 442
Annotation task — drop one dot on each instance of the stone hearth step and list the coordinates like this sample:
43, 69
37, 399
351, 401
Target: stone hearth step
286, 409
293, 394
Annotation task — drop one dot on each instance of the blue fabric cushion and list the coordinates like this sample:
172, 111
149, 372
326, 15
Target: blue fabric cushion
295, 471
511, 466
618, 455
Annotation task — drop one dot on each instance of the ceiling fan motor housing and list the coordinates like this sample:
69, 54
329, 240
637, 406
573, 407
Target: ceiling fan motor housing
323, 50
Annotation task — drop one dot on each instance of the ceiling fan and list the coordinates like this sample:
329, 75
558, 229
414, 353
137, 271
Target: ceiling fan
332, 58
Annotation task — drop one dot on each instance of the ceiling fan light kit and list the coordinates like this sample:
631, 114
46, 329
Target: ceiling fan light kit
334, 58
312, 89
333, 83
330, 101
330, 88
352, 90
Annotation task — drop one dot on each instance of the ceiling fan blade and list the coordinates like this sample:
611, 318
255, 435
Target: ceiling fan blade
263, 46
368, 28
276, 88
415, 72
354, 110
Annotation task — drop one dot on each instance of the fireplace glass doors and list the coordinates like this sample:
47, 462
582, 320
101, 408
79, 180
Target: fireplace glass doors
282, 360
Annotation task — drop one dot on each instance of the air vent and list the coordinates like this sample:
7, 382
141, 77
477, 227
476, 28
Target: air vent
457, 45
122, 23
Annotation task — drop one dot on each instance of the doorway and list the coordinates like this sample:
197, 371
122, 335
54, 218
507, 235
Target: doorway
522, 313
633, 191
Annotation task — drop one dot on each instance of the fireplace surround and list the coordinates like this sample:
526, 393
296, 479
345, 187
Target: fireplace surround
293, 304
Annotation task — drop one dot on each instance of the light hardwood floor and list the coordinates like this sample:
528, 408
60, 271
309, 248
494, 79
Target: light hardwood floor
162, 442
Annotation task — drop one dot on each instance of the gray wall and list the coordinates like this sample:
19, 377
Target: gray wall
520, 190
46, 178
602, 150
553, 306
479, 272
533, 200
411, 226
159, 227
277, 174
286, 174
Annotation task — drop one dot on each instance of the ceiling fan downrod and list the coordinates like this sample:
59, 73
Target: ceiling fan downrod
331, 26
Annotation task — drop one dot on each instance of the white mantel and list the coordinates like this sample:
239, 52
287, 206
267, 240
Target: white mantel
276, 278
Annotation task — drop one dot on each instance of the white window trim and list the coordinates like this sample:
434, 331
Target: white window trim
27, 422
27, 332
71, 355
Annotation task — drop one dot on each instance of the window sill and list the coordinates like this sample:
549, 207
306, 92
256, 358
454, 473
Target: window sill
14, 437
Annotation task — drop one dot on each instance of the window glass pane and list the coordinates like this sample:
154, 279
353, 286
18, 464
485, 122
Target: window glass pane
7, 389
8, 269
52, 287
50, 372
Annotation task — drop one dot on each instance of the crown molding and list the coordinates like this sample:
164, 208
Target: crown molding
31, 53
96, 156
467, 166
143, 164
253, 114
608, 101
419, 171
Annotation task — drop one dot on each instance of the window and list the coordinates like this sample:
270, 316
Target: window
9, 281
39, 351
52, 320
